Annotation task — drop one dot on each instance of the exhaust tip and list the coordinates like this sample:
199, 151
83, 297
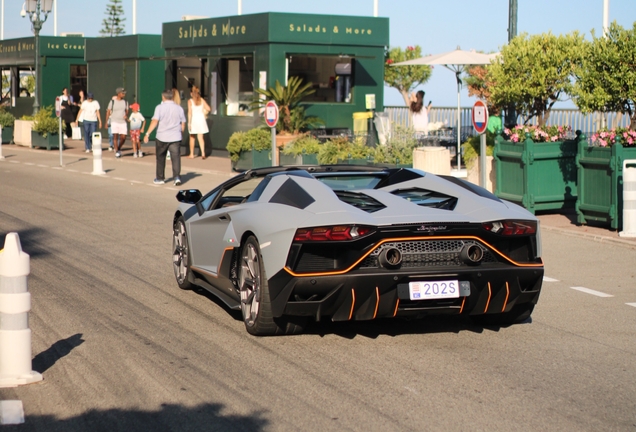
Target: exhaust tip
471, 254
390, 257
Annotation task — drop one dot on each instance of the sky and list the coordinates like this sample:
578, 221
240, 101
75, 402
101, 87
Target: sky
436, 26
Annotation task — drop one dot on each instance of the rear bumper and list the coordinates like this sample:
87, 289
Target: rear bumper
365, 295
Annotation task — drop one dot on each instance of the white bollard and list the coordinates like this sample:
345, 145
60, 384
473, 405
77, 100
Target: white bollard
97, 154
15, 303
629, 199
1, 157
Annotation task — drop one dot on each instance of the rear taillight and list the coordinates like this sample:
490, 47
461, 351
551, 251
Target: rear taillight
331, 233
511, 227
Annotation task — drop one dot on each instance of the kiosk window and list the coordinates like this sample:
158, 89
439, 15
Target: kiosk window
237, 85
332, 76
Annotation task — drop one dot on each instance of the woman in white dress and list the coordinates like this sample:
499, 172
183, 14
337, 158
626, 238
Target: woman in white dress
198, 109
419, 114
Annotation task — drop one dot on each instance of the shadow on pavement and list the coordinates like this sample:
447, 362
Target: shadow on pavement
59, 349
31, 240
204, 417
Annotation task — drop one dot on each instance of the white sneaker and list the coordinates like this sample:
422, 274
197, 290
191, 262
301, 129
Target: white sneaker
118, 154
87, 151
141, 154
110, 149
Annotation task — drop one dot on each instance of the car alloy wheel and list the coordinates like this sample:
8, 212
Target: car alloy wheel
250, 283
180, 254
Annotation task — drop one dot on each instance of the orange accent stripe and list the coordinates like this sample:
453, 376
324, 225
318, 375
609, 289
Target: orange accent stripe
396, 307
377, 301
488, 302
209, 273
462, 308
477, 239
506, 301
353, 302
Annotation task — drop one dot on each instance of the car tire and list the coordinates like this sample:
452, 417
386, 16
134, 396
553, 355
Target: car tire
181, 255
256, 306
518, 314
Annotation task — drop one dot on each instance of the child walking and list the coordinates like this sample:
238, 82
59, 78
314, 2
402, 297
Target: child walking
137, 126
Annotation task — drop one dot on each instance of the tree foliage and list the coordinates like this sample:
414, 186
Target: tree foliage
405, 78
113, 24
480, 86
534, 72
606, 80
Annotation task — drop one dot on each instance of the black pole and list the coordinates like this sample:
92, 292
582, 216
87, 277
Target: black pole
511, 115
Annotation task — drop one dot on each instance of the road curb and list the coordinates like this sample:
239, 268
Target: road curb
594, 237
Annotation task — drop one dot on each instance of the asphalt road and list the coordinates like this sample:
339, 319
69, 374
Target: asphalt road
122, 348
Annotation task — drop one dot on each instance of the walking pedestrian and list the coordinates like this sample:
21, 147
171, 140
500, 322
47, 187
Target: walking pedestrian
89, 114
117, 113
137, 126
169, 120
198, 109
67, 112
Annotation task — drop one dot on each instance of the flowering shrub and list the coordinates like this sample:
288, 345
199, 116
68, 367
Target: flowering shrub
538, 133
606, 138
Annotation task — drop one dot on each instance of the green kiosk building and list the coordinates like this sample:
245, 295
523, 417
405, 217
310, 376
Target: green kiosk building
62, 65
134, 62
229, 58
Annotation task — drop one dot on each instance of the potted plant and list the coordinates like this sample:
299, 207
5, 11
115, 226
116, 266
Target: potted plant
45, 131
250, 149
301, 151
342, 151
536, 166
398, 150
600, 176
292, 117
7, 121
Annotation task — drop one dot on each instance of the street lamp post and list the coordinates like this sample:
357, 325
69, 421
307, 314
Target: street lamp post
38, 11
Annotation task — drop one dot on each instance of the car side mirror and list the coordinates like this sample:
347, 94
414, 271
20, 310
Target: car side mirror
189, 196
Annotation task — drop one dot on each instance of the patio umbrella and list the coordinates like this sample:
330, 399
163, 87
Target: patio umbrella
455, 61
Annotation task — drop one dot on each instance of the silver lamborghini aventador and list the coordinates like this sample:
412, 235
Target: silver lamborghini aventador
344, 242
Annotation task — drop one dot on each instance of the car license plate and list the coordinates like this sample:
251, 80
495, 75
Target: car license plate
433, 290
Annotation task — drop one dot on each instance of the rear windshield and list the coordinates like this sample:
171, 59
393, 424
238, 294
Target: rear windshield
350, 181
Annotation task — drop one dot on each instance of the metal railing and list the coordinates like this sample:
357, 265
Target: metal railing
588, 123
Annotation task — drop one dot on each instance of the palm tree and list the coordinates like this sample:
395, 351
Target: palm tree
288, 98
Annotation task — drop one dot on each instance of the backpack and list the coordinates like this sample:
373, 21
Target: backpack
111, 105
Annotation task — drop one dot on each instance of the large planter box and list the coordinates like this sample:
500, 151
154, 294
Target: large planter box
474, 173
51, 141
253, 159
302, 159
538, 176
7, 135
600, 183
22, 132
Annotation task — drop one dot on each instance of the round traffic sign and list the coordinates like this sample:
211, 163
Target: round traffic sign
480, 117
271, 114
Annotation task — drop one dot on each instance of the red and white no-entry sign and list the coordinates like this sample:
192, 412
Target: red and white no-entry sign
271, 114
480, 117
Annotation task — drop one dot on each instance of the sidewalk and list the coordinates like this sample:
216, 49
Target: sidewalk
205, 174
